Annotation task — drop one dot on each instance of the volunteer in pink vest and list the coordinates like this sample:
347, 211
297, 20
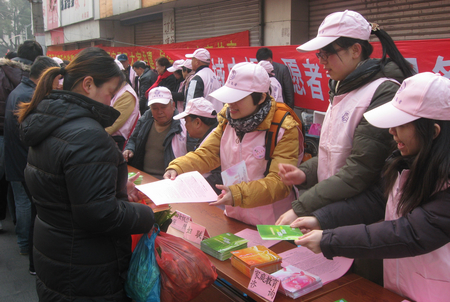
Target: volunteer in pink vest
414, 237
276, 91
126, 102
240, 139
351, 151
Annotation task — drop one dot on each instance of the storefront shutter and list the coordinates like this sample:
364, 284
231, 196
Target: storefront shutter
148, 33
402, 20
216, 19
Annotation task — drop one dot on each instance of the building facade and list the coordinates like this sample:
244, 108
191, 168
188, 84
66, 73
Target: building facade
75, 24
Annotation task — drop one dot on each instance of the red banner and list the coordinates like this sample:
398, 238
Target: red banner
309, 78
150, 53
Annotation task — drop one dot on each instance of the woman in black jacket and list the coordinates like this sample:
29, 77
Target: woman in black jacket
78, 179
165, 77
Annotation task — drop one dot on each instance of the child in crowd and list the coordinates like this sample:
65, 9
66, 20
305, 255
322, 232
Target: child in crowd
240, 137
415, 234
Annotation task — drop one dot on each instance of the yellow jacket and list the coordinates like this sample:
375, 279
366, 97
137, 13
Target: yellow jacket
253, 193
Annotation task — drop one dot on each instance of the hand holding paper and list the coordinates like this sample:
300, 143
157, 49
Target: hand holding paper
187, 187
311, 241
306, 224
224, 198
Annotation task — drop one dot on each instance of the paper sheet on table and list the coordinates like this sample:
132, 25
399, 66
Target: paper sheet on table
187, 187
316, 264
254, 238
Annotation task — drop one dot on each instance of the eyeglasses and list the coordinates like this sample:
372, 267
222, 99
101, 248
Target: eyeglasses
324, 55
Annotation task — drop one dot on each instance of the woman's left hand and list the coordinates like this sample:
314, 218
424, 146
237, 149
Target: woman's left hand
311, 241
224, 198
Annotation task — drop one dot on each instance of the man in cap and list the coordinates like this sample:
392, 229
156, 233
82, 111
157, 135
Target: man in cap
130, 74
282, 74
201, 118
205, 81
157, 138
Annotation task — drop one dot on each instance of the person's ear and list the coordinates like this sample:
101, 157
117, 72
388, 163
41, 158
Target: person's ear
356, 50
437, 130
198, 122
87, 84
263, 98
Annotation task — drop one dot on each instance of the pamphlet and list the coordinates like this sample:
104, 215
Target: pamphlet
221, 246
296, 282
278, 232
235, 174
185, 188
317, 264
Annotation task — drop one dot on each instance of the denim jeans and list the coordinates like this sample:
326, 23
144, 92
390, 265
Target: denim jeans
23, 215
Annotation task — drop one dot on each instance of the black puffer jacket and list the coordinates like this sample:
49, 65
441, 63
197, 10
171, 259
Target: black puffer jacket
77, 176
11, 72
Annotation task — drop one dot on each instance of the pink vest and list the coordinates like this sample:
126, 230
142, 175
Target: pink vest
232, 152
133, 77
341, 120
179, 141
277, 90
211, 83
128, 127
423, 278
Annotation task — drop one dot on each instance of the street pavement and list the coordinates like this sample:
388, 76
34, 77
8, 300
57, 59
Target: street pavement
16, 283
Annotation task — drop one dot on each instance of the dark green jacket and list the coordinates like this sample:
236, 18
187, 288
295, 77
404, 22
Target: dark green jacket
371, 145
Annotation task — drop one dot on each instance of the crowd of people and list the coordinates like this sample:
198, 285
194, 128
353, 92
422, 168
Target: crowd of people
377, 191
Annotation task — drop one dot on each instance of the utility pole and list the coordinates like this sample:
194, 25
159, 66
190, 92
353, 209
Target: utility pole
38, 22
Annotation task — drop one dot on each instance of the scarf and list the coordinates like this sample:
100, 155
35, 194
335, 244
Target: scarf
249, 123
166, 74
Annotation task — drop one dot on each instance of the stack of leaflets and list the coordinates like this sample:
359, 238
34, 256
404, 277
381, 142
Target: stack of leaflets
278, 232
256, 256
220, 246
295, 282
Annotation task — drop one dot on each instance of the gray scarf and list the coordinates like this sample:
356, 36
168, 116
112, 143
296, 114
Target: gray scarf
251, 122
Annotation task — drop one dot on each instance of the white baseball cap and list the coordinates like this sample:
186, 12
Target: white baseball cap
267, 66
348, 24
161, 95
187, 63
425, 95
198, 106
176, 66
244, 78
200, 54
119, 64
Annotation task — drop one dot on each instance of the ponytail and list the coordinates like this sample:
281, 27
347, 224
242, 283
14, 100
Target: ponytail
387, 44
43, 88
390, 49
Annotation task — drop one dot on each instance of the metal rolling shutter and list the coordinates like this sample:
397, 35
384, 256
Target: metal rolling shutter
216, 19
402, 20
149, 33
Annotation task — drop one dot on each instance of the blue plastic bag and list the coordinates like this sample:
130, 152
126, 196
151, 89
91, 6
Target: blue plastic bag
143, 281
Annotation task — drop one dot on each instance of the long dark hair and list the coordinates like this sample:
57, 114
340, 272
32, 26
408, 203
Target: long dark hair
387, 44
429, 169
92, 61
